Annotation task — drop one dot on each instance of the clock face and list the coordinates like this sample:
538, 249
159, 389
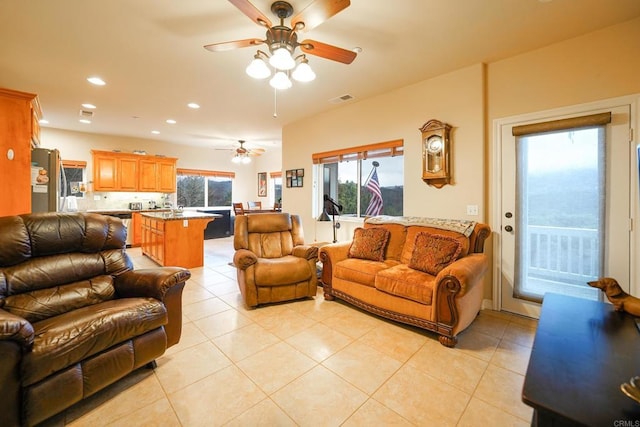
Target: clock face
434, 144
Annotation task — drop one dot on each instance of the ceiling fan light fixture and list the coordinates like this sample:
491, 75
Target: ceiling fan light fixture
280, 81
246, 159
258, 69
303, 72
236, 159
282, 59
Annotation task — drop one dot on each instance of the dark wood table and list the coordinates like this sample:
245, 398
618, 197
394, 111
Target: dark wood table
582, 352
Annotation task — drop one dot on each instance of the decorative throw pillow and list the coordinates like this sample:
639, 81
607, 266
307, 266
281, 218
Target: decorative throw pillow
369, 243
433, 252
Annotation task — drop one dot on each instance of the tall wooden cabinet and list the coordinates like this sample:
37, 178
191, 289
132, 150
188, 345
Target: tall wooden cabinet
19, 132
114, 171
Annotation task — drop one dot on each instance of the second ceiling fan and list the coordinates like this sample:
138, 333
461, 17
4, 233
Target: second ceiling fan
282, 40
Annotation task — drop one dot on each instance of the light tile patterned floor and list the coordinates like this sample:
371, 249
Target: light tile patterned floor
313, 363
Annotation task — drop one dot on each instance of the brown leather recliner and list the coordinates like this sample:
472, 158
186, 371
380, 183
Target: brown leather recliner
272, 261
74, 315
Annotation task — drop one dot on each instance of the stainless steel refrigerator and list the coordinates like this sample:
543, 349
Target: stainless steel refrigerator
45, 180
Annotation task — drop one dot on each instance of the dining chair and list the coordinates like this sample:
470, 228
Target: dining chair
254, 205
238, 209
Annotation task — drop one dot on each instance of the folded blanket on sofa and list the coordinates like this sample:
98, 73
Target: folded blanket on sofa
458, 225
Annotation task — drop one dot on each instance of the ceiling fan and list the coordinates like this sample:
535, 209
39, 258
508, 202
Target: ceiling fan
242, 154
282, 40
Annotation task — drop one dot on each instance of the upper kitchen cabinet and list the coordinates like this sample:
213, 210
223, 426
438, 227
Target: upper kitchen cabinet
113, 171
157, 174
19, 131
167, 175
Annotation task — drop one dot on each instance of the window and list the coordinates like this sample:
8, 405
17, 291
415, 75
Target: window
276, 179
74, 172
365, 180
201, 188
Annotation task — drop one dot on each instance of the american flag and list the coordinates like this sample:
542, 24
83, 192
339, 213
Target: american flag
375, 204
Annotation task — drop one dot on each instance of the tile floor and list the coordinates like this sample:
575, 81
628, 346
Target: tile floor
313, 363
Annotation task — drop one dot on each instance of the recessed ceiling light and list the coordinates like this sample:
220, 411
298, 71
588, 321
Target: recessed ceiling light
155, 132
96, 81
193, 105
43, 121
89, 106
171, 121
85, 121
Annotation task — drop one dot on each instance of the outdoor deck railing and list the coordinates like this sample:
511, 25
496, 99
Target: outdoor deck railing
560, 254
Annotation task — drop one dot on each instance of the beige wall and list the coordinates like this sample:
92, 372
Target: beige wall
455, 98
599, 65
78, 146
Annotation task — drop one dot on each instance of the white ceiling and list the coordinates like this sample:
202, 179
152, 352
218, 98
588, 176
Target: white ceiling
150, 52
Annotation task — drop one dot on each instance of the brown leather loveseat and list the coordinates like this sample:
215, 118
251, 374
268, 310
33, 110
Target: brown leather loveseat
74, 315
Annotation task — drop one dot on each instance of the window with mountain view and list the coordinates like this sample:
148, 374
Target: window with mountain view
200, 188
366, 180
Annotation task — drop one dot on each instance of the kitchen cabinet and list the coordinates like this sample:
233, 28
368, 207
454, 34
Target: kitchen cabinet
136, 229
114, 171
175, 239
19, 132
153, 239
167, 175
148, 175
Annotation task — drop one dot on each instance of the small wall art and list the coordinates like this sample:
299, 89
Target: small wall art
295, 177
262, 184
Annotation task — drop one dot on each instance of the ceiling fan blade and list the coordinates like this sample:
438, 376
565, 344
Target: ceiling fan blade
251, 11
328, 51
316, 13
221, 47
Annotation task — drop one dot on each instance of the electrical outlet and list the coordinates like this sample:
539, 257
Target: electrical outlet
472, 210
96, 197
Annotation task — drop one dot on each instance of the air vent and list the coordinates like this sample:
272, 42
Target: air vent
85, 113
342, 98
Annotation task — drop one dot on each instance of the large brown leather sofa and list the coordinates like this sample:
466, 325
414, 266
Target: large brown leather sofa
273, 263
74, 315
396, 285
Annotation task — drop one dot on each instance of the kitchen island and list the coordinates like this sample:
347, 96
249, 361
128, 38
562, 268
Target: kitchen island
175, 238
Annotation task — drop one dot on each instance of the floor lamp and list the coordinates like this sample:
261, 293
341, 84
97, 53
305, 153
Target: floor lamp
331, 207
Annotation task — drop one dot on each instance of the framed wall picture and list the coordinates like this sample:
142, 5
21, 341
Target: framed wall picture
262, 184
294, 177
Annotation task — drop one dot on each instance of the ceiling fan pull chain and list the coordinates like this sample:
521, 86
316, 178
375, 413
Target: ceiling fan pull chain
275, 103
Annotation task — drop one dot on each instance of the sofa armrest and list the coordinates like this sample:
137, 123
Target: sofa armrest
467, 270
453, 283
305, 251
165, 284
16, 328
244, 258
330, 255
150, 282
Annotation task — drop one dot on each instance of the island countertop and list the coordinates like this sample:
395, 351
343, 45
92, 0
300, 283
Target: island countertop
174, 216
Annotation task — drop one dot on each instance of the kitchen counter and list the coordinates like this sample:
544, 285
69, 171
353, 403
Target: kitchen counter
171, 215
175, 238
118, 211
